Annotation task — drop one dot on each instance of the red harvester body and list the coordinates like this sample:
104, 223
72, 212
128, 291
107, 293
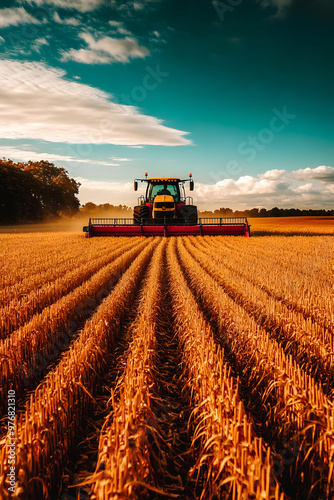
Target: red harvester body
166, 211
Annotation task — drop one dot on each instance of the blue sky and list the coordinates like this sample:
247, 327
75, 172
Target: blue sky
238, 92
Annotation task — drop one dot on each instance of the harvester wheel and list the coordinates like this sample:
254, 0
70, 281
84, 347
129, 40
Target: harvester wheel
189, 214
140, 212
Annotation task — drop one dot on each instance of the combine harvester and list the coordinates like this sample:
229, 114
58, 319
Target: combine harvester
165, 210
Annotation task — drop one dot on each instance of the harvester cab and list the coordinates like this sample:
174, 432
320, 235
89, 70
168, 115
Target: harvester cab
165, 199
165, 210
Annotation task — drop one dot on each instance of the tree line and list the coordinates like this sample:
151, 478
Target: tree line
90, 209
35, 191
107, 210
263, 212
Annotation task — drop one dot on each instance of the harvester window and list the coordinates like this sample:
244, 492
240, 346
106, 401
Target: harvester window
155, 189
164, 191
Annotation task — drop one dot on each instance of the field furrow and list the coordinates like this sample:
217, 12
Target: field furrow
76, 256
229, 455
309, 343
198, 368
288, 275
25, 256
126, 452
29, 350
21, 310
288, 402
67, 393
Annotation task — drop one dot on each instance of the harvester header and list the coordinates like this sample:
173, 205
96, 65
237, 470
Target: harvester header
165, 210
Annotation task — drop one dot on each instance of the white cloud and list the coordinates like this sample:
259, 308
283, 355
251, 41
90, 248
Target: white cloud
274, 174
115, 23
322, 173
26, 155
119, 49
69, 21
39, 43
16, 16
80, 5
116, 193
124, 31
38, 102
121, 159
106, 50
272, 188
303, 188
85, 56
119, 28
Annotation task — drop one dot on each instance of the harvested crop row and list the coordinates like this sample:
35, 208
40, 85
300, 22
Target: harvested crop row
52, 421
231, 458
21, 310
125, 451
290, 404
300, 263
302, 273
74, 256
27, 352
23, 257
254, 276
279, 286
309, 343
292, 226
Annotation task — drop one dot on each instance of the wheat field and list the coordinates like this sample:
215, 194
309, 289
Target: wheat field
189, 367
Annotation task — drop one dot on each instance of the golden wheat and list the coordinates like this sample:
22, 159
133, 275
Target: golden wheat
232, 454
21, 309
294, 396
54, 413
29, 349
125, 449
66, 254
310, 342
261, 309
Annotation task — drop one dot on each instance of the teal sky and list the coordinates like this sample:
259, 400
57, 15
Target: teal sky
240, 93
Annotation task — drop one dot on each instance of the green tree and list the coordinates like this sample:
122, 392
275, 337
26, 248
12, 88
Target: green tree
58, 190
35, 190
